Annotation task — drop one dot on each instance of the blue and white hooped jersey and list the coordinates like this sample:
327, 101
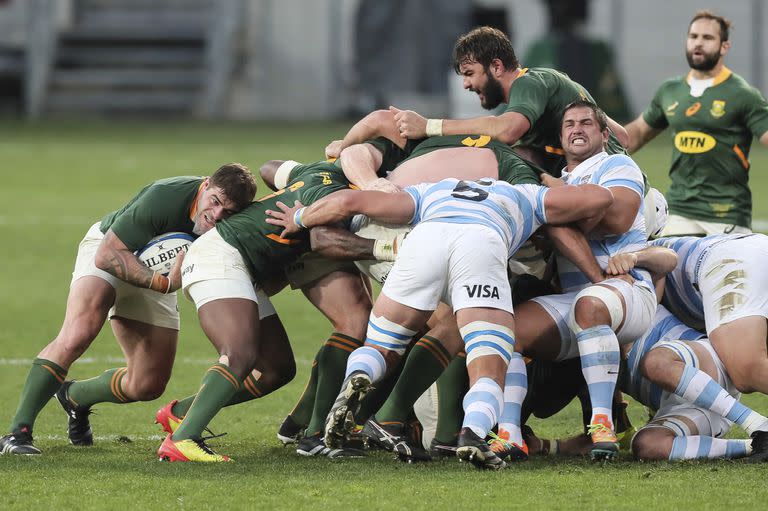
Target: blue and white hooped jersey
666, 327
681, 292
608, 171
513, 211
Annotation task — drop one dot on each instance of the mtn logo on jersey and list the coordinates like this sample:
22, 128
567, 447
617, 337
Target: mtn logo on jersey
482, 291
694, 142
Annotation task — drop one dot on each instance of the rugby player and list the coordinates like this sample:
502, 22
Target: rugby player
223, 274
110, 282
674, 370
439, 262
719, 286
713, 114
535, 99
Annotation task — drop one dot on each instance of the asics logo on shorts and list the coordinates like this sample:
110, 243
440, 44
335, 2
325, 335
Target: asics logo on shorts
482, 291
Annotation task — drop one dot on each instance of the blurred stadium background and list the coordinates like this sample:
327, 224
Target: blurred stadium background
99, 97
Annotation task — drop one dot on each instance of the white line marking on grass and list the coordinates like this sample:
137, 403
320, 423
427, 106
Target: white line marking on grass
46, 220
101, 438
121, 360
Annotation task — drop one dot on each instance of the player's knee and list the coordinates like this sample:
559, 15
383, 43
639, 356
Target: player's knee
742, 376
590, 311
654, 363
651, 444
145, 389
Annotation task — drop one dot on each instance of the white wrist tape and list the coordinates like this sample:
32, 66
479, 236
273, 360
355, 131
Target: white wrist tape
434, 127
283, 172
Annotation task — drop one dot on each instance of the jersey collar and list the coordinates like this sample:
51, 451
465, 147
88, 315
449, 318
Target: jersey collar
589, 162
193, 208
722, 76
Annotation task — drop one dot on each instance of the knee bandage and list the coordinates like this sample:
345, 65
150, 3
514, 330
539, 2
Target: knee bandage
482, 338
609, 298
388, 335
682, 350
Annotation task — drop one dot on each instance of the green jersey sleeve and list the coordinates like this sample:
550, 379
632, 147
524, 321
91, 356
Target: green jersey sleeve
756, 114
145, 218
529, 97
654, 114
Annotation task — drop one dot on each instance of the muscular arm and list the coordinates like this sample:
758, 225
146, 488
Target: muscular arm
619, 131
639, 133
620, 216
569, 203
360, 162
379, 123
657, 260
507, 127
267, 173
115, 258
338, 243
391, 208
572, 244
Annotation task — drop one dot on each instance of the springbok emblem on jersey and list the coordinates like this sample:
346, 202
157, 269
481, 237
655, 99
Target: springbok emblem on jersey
718, 109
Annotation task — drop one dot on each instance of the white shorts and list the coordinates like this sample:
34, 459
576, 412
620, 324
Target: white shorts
463, 265
680, 226
640, 310
683, 417
733, 279
131, 302
214, 270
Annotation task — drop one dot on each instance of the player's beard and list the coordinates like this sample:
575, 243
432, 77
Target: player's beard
493, 93
708, 63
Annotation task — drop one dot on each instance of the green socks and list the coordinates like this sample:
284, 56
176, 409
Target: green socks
218, 386
43, 380
425, 363
331, 365
105, 388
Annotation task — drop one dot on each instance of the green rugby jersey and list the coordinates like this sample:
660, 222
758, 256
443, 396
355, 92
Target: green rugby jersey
712, 136
540, 94
163, 206
511, 167
260, 244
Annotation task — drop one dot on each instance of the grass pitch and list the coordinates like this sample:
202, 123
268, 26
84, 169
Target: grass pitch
60, 177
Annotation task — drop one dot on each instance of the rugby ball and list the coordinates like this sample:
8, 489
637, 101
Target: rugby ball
370, 229
160, 252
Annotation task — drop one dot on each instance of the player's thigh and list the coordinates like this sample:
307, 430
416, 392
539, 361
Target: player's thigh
741, 345
344, 299
478, 271
419, 276
149, 350
733, 279
542, 328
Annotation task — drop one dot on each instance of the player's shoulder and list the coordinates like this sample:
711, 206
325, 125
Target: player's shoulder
176, 181
619, 160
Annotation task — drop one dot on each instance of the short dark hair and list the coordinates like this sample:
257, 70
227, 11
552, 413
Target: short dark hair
602, 119
482, 45
725, 24
237, 183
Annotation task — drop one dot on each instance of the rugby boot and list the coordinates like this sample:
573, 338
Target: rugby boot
625, 431
78, 424
506, 450
475, 450
167, 420
340, 422
188, 450
759, 447
290, 431
20, 443
605, 445
410, 452
312, 446
384, 436
439, 449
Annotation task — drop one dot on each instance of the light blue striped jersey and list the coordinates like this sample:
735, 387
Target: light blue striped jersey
681, 291
512, 211
608, 171
666, 327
